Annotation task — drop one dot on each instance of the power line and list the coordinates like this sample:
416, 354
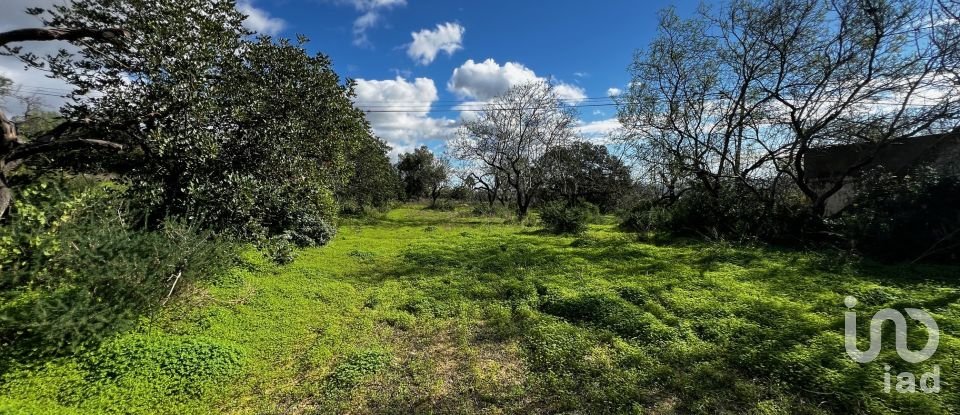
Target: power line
394, 104
489, 109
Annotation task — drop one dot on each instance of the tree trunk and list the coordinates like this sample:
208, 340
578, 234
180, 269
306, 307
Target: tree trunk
6, 195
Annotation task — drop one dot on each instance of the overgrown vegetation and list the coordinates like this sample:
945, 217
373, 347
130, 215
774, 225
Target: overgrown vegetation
423, 311
78, 266
160, 236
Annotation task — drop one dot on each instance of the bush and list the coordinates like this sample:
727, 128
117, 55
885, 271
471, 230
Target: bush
559, 217
78, 267
735, 213
444, 205
646, 217
916, 216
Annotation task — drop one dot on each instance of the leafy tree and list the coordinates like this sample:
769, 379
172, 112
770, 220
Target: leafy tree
423, 174
213, 124
511, 135
585, 172
373, 181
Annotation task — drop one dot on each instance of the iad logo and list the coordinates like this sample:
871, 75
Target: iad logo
906, 381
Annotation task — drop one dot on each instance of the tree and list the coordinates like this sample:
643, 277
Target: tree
373, 181
511, 135
739, 97
585, 172
423, 174
220, 134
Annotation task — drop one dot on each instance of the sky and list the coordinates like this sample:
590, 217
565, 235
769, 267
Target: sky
428, 59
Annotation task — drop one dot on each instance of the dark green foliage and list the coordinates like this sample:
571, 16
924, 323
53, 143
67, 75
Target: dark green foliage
913, 216
422, 174
78, 267
732, 213
278, 248
560, 217
221, 135
442, 205
584, 172
645, 217
373, 181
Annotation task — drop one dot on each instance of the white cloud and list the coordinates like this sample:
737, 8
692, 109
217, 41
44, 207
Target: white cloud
259, 20
479, 82
398, 111
371, 16
581, 74
484, 80
614, 92
448, 37
570, 93
598, 131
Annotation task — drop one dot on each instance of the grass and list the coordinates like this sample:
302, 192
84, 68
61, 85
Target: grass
424, 311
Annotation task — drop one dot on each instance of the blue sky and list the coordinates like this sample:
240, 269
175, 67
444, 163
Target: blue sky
465, 52
583, 46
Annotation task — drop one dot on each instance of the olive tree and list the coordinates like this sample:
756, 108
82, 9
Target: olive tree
511, 135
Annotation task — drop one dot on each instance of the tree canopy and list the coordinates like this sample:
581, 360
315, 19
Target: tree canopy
211, 121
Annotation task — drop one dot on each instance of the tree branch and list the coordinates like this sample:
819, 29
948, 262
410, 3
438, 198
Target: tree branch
45, 34
32, 149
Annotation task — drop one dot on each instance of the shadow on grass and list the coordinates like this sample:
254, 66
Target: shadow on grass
702, 316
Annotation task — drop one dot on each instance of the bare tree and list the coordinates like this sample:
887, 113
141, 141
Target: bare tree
512, 133
742, 95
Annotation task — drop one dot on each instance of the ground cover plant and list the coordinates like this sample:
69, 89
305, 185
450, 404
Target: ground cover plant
426, 311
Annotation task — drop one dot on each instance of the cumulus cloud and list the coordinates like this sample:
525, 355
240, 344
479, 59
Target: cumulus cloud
398, 111
614, 92
370, 17
571, 93
259, 20
481, 81
448, 37
484, 80
598, 131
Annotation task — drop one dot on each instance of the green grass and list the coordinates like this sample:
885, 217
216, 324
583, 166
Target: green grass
421, 311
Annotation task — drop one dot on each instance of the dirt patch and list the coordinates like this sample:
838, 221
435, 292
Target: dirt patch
445, 368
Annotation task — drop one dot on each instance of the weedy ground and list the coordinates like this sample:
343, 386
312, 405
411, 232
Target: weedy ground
419, 311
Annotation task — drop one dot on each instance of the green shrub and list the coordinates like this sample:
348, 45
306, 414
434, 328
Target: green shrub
733, 212
559, 217
279, 248
78, 267
444, 205
914, 216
